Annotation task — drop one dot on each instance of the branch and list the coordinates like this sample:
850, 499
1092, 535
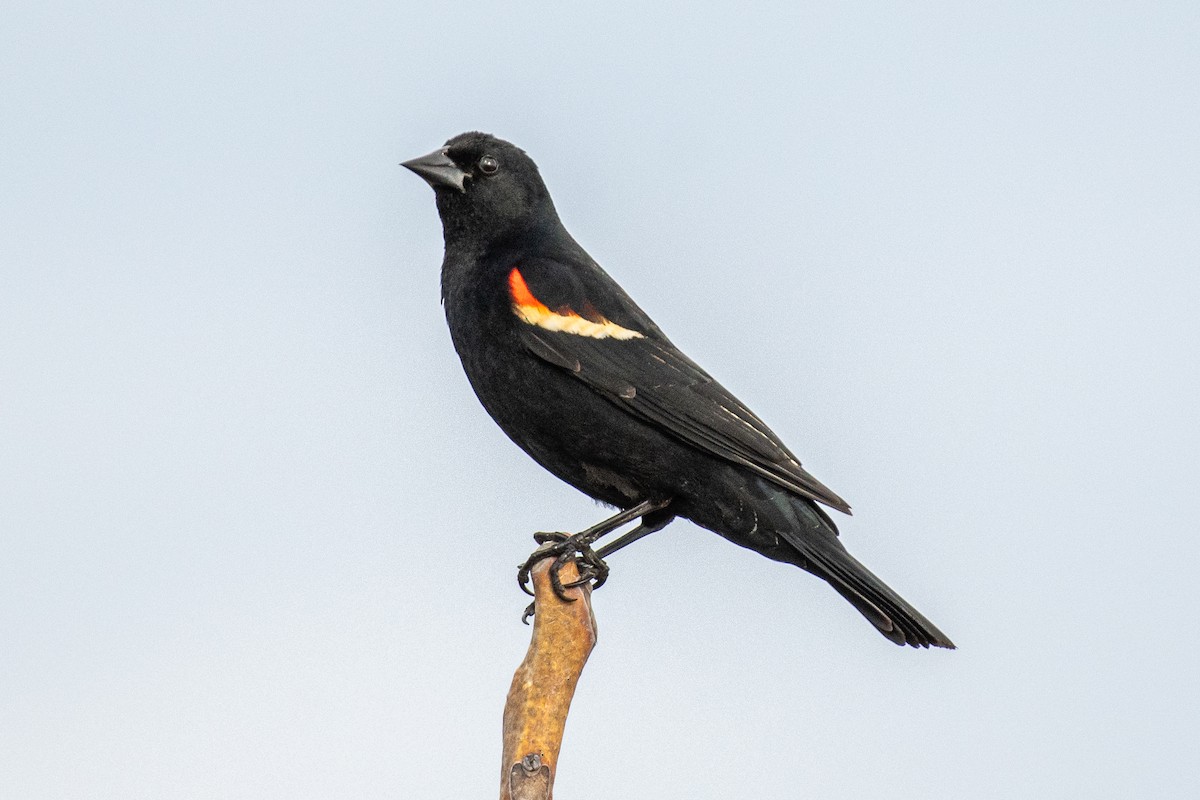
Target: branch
564, 634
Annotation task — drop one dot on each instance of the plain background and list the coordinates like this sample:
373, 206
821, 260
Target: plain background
258, 540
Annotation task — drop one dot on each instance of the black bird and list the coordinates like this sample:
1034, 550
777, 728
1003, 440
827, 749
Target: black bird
585, 383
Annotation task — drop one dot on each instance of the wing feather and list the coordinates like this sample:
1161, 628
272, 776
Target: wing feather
689, 404
646, 375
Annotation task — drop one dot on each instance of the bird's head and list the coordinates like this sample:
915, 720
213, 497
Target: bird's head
485, 187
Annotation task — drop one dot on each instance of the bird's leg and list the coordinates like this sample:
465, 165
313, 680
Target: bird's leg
650, 523
625, 539
564, 547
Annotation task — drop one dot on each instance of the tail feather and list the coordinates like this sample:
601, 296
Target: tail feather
815, 538
880, 620
875, 600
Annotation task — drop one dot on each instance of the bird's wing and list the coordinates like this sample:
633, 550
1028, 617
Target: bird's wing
575, 317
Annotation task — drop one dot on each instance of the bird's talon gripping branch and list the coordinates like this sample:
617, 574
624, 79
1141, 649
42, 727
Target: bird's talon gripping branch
599, 579
586, 562
563, 549
548, 545
584, 577
577, 547
560, 591
592, 569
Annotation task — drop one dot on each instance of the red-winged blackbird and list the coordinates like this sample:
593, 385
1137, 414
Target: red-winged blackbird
585, 383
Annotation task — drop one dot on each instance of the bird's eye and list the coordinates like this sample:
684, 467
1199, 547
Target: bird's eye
488, 165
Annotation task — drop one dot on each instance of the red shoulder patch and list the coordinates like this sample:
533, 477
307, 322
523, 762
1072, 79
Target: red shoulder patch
564, 320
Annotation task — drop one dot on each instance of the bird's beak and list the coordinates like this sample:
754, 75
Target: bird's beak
438, 169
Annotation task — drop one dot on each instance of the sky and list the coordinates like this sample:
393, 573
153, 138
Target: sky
258, 539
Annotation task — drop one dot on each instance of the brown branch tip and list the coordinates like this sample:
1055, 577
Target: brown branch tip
564, 633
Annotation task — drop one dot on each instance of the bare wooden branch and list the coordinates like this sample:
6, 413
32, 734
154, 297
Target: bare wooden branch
564, 634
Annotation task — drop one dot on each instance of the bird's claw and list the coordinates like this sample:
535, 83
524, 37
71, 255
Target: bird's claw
563, 548
549, 537
524, 571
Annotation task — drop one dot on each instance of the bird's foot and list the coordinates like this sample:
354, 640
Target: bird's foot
564, 548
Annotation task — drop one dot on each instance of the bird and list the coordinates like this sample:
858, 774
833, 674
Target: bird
582, 379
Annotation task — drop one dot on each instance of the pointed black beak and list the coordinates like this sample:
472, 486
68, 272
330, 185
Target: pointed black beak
438, 169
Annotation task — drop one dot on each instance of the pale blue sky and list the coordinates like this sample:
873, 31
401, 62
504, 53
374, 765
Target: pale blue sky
258, 540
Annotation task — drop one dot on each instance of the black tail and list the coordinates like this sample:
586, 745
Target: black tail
815, 538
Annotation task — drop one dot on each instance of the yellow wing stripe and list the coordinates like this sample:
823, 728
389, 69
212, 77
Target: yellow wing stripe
535, 312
